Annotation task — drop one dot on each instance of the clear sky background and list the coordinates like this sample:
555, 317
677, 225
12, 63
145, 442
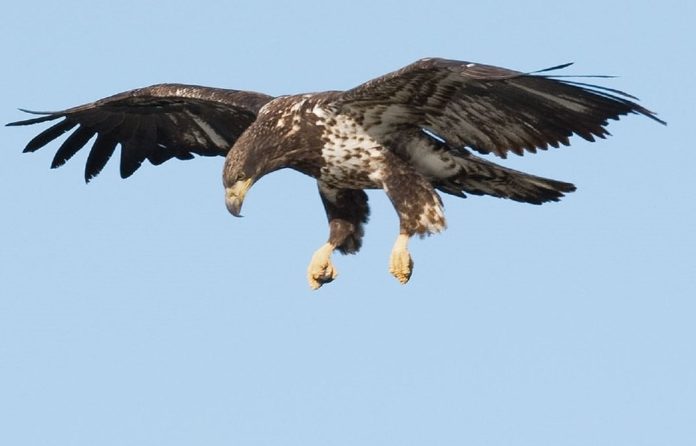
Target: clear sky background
139, 312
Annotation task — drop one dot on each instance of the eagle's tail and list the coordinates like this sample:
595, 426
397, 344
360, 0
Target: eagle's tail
481, 177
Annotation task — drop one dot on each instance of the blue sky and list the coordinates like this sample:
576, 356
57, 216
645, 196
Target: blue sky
140, 312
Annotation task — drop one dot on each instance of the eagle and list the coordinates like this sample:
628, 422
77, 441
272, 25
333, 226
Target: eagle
413, 133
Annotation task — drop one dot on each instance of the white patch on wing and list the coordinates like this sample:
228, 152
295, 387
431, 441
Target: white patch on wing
190, 135
214, 136
434, 135
435, 165
382, 119
430, 161
569, 104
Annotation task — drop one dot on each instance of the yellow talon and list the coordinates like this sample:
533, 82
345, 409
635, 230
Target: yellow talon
400, 262
320, 269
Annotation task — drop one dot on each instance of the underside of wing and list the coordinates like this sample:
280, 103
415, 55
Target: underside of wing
156, 123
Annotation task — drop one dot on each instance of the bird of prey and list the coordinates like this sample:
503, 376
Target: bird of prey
413, 132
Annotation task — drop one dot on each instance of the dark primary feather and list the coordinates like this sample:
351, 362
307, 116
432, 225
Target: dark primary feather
486, 108
156, 123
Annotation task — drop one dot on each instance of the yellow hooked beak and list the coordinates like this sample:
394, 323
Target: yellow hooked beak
234, 196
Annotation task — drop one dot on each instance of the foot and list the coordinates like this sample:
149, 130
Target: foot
320, 269
400, 262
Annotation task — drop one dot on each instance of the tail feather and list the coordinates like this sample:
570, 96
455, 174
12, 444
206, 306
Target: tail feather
481, 177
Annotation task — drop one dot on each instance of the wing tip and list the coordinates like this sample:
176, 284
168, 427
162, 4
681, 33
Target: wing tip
652, 115
554, 68
45, 116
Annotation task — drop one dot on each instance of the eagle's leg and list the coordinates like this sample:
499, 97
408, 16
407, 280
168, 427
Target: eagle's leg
400, 261
320, 269
419, 208
346, 210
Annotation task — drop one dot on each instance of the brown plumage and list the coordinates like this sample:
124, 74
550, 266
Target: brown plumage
411, 132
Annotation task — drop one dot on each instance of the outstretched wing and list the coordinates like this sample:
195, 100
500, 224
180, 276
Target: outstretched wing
156, 123
487, 108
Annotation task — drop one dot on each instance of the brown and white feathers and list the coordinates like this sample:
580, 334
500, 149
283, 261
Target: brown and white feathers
411, 132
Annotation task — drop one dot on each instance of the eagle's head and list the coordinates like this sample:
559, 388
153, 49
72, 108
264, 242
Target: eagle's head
234, 195
274, 141
251, 157
241, 172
